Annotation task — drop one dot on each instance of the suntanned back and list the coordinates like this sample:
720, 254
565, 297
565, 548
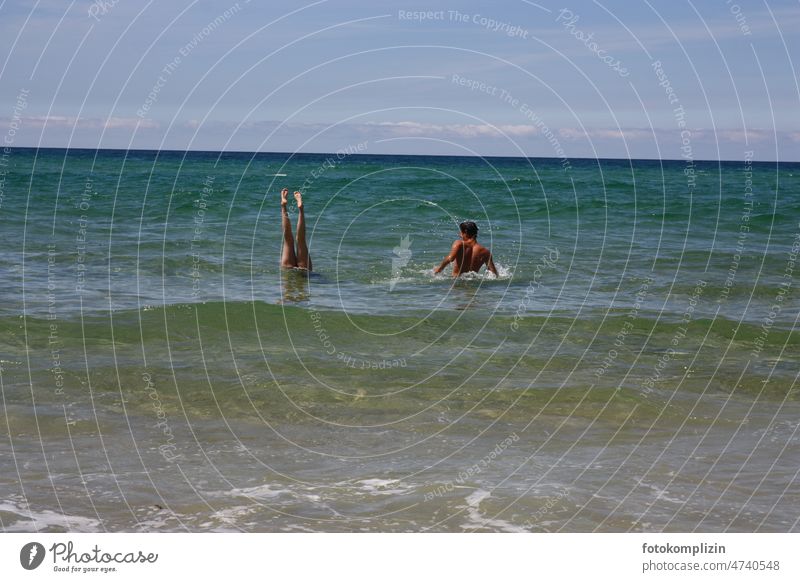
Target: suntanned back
470, 257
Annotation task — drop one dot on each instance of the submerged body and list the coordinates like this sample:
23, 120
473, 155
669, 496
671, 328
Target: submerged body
292, 258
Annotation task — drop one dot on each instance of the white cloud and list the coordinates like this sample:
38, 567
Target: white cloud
452, 130
620, 133
740, 135
130, 123
79, 123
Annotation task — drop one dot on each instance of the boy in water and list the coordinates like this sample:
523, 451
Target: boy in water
466, 254
291, 259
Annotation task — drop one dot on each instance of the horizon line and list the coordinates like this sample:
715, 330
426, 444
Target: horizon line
560, 159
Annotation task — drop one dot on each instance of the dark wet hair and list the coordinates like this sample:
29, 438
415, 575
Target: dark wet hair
469, 228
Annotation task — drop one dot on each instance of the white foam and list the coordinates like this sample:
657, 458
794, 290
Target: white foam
298, 527
661, 494
503, 273
258, 492
232, 516
478, 520
46, 519
383, 486
264, 494
474, 499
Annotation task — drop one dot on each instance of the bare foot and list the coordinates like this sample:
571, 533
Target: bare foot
299, 198
284, 194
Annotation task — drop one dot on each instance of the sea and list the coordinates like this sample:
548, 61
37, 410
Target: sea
633, 367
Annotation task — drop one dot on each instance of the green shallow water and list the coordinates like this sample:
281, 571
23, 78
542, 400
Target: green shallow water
627, 371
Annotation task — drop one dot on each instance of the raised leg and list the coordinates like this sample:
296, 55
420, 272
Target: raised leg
303, 258
288, 257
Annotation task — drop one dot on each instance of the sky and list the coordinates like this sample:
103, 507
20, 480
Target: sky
612, 79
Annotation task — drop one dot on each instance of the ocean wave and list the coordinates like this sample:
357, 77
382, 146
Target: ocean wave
20, 517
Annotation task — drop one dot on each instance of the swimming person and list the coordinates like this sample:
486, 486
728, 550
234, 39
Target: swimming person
290, 258
466, 254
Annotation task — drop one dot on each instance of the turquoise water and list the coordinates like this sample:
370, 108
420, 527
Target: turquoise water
633, 367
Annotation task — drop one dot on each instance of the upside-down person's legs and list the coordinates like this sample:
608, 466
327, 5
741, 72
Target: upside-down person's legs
303, 258
288, 257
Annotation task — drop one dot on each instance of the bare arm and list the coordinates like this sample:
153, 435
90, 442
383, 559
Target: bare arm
491, 267
454, 251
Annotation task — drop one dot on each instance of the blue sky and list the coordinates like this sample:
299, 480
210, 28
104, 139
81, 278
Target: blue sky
578, 79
